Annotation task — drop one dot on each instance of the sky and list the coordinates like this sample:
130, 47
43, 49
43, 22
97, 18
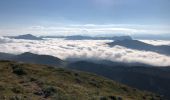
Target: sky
65, 17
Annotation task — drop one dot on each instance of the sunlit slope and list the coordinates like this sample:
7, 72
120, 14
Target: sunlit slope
19, 81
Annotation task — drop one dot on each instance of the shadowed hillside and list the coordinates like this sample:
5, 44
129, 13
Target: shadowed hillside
155, 79
33, 58
138, 45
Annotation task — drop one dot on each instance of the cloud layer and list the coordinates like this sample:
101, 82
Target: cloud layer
86, 49
157, 42
88, 29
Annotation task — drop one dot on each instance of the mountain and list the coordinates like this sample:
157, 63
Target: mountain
81, 37
120, 38
141, 76
5, 56
138, 45
34, 58
155, 79
53, 36
27, 37
20, 81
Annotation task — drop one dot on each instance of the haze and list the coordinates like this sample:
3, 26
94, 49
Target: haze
88, 17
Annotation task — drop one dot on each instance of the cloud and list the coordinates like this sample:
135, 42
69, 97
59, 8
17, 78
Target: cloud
156, 42
5, 40
86, 49
89, 29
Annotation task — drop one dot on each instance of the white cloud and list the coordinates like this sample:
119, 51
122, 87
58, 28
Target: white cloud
156, 42
90, 29
86, 49
5, 40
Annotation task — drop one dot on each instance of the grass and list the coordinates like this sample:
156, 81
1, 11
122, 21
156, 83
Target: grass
19, 81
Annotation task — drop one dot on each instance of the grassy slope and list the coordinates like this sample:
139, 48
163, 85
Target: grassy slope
39, 82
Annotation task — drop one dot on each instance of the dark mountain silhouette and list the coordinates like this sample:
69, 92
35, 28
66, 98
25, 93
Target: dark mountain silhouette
120, 38
138, 45
110, 37
26, 37
81, 37
6, 55
155, 79
34, 58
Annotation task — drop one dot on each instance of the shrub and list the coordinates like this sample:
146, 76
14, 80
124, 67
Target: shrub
95, 83
18, 70
103, 98
119, 98
15, 98
2, 88
113, 97
78, 80
48, 91
125, 89
33, 79
76, 74
17, 90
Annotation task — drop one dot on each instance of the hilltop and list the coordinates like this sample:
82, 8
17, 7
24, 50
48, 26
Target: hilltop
26, 37
39, 82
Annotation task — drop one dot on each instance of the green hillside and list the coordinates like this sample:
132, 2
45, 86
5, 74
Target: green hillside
19, 81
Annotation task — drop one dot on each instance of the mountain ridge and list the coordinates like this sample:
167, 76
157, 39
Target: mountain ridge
138, 45
40, 82
33, 58
130, 74
26, 37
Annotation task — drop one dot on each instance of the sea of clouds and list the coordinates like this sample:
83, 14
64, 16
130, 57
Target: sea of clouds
85, 49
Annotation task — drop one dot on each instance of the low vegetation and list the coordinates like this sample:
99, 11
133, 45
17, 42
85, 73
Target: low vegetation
19, 81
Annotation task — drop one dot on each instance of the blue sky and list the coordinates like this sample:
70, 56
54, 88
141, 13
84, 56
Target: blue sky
56, 17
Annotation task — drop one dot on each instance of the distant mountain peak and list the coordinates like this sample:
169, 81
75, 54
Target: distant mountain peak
27, 37
28, 53
81, 37
121, 38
